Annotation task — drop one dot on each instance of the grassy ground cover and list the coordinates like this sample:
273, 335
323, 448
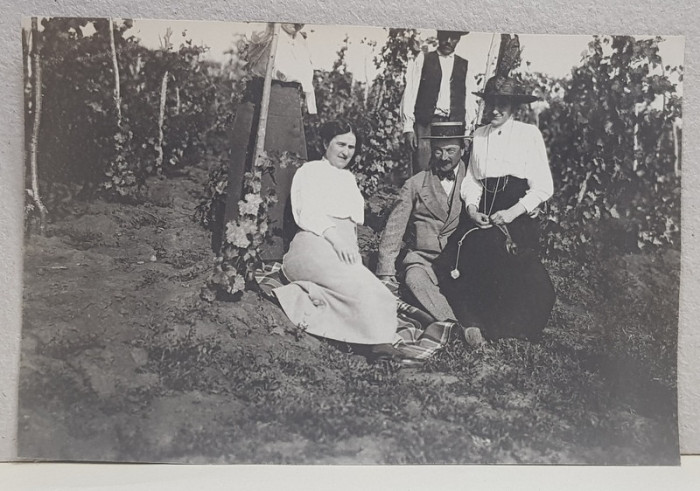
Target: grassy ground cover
121, 360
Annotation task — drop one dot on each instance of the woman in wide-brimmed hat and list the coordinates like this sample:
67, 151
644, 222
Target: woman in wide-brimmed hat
495, 280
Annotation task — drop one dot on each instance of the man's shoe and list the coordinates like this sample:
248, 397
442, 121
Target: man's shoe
473, 337
387, 354
409, 362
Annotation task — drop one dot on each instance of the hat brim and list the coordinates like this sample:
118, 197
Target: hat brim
458, 137
459, 33
516, 99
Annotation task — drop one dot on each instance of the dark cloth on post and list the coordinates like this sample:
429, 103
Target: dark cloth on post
504, 294
284, 132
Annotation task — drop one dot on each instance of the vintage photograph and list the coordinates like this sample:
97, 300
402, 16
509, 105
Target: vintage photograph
274, 243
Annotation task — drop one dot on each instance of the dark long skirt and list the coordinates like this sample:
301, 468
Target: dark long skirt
506, 294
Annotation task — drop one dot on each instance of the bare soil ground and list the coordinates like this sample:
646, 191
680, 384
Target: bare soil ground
122, 361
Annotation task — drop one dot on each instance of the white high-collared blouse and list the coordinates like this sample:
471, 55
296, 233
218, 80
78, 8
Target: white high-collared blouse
515, 149
321, 191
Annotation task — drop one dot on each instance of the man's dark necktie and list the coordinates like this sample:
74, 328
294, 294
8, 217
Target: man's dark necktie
442, 175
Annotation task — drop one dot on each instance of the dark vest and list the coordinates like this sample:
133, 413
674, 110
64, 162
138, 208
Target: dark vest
429, 89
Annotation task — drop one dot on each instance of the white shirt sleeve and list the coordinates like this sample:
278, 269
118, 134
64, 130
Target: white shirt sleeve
293, 64
537, 172
410, 93
470, 190
307, 200
444, 99
311, 101
306, 73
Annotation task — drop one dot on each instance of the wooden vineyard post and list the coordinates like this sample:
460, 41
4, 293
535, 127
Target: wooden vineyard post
161, 121
635, 138
165, 45
115, 67
508, 59
487, 75
34, 145
265, 102
676, 129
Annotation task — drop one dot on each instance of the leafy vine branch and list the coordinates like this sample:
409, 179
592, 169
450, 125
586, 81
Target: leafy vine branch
239, 256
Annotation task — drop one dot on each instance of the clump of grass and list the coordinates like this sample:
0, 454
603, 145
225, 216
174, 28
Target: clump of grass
66, 347
186, 364
185, 259
150, 278
146, 219
81, 238
161, 200
64, 387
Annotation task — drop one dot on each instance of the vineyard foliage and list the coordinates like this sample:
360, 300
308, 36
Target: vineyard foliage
83, 148
373, 110
612, 129
613, 137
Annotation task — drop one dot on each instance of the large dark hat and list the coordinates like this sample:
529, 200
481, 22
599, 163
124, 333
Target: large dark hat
447, 130
506, 87
458, 33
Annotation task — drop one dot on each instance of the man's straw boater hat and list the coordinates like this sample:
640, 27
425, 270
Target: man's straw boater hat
447, 130
455, 33
505, 87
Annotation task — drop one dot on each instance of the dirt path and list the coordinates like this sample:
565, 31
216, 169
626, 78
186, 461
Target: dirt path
121, 360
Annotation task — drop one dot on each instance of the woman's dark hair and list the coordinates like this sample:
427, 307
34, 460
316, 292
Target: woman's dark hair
331, 129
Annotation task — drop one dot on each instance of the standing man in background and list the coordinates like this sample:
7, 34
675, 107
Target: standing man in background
436, 91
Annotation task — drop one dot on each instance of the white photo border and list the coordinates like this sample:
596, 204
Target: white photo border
664, 17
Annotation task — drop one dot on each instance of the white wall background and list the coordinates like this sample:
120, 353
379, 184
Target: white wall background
669, 17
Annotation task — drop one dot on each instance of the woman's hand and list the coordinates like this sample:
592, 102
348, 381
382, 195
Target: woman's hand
347, 253
410, 139
481, 219
389, 281
504, 217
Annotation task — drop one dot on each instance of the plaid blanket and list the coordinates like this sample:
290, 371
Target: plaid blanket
269, 277
419, 335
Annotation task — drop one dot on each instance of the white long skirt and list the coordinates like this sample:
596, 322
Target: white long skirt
334, 300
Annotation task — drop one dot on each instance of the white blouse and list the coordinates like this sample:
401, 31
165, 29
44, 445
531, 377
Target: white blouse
321, 191
515, 149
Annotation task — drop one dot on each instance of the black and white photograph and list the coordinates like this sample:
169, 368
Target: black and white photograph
287, 243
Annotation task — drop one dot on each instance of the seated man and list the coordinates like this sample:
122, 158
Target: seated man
430, 204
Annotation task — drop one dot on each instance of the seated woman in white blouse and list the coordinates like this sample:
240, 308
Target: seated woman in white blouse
332, 294
490, 283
